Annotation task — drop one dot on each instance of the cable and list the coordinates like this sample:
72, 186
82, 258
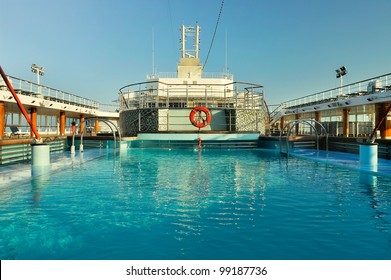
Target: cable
214, 34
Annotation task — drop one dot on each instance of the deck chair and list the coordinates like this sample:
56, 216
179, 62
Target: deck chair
15, 131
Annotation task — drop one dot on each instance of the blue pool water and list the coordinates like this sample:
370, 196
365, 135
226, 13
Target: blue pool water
181, 204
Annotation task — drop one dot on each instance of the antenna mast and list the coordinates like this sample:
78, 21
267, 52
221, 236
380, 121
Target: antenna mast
189, 63
192, 50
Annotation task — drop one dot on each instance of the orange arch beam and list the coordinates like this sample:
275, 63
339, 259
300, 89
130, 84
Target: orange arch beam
20, 105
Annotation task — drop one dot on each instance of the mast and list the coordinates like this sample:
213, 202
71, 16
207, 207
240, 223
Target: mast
190, 49
183, 41
197, 40
189, 63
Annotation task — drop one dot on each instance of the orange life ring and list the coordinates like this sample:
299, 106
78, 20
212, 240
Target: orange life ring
200, 116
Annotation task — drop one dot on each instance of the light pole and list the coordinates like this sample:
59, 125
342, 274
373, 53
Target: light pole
39, 70
341, 72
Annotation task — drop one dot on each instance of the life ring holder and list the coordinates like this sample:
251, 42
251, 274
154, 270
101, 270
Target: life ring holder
197, 119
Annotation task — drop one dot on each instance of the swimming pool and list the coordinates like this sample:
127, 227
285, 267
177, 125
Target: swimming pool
184, 204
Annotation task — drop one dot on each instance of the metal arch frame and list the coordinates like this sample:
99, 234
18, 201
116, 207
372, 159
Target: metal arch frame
102, 120
248, 88
293, 123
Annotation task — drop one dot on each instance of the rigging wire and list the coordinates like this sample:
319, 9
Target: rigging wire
214, 34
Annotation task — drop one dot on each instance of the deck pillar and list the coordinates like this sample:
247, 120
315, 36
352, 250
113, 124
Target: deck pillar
62, 122
385, 127
345, 122
96, 126
297, 117
33, 117
282, 123
387, 132
81, 119
317, 116
2, 118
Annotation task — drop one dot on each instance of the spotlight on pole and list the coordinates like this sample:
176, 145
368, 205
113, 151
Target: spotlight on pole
39, 70
342, 71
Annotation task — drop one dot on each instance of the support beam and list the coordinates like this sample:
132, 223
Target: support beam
96, 126
2, 118
382, 120
387, 130
282, 123
62, 123
81, 128
345, 122
33, 117
297, 117
20, 105
317, 116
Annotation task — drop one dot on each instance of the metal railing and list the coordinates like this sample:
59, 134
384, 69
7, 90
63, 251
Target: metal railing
373, 85
368, 86
14, 153
230, 120
205, 75
108, 107
275, 114
157, 94
25, 87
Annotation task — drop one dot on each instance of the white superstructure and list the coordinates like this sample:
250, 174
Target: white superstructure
163, 102
189, 81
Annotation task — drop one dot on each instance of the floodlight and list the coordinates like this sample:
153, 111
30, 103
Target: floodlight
341, 72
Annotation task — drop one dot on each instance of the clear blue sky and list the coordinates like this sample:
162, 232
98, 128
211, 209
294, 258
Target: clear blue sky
93, 47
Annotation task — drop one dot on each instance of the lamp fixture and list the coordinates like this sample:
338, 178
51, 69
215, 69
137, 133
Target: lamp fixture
341, 71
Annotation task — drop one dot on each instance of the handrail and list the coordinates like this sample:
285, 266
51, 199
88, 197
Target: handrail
309, 122
204, 75
108, 107
58, 95
252, 85
37, 90
275, 113
353, 88
106, 122
239, 94
84, 128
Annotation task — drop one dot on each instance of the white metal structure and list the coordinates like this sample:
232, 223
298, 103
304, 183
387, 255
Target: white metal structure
39, 70
163, 102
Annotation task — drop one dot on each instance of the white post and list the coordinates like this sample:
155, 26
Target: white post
340, 85
368, 156
38, 78
40, 158
183, 41
197, 39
